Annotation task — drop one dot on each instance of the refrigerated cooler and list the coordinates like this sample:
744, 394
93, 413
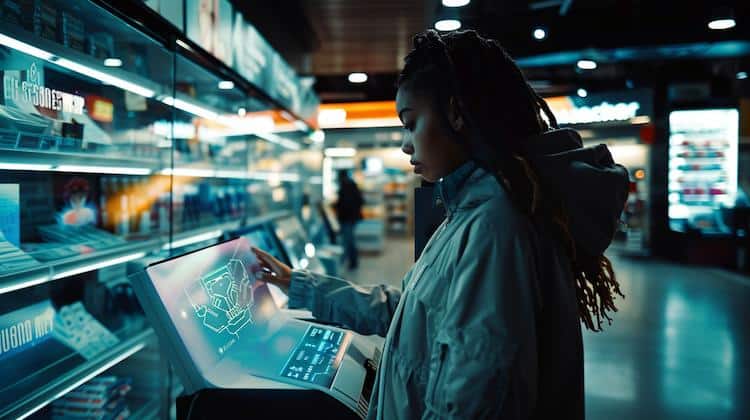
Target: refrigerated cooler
703, 156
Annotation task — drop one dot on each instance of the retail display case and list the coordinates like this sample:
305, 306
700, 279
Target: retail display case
703, 158
115, 147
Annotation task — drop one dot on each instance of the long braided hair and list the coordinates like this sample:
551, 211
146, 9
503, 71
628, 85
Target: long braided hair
502, 110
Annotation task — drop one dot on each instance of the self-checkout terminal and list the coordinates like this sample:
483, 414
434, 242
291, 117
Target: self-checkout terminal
238, 354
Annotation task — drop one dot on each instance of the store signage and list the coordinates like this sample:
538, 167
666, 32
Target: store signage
32, 92
25, 327
603, 112
600, 113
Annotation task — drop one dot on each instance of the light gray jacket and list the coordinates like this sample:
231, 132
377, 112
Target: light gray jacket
463, 334
460, 333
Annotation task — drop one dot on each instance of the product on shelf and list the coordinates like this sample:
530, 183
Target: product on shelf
101, 45
79, 330
72, 32
13, 259
10, 218
44, 19
102, 398
88, 235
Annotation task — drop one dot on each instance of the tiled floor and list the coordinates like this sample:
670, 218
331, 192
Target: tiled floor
678, 349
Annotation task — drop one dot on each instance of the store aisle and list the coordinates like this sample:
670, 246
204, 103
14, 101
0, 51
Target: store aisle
389, 267
679, 347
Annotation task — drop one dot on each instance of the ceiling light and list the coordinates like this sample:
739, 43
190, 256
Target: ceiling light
582, 93
539, 34
587, 64
455, 3
742, 75
447, 25
357, 78
721, 24
113, 62
241, 112
226, 85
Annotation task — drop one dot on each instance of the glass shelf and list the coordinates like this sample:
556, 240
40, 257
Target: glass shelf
117, 148
45, 385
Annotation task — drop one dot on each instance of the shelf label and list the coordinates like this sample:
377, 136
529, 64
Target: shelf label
25, 327
33, 92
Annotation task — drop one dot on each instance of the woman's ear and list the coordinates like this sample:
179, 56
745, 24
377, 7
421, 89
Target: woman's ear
455, 119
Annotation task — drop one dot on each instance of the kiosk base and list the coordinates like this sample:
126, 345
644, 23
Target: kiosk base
261, 404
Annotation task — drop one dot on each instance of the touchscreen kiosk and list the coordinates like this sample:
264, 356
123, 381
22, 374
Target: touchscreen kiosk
221, 329
260, 236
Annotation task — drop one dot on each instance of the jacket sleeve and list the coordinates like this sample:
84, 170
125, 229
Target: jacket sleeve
490, 316
364, 309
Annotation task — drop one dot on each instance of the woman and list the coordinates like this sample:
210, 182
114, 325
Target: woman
487, 322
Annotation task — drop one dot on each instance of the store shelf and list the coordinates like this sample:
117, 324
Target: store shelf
66, 267
55, 388
52, 160
98, 163
113, 255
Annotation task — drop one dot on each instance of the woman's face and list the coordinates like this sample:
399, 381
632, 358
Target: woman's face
433, 147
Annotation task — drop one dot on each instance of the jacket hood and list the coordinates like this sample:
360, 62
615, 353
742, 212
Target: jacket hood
591, 186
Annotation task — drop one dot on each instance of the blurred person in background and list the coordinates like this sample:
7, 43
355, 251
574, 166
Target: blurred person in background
487, 323
349, 211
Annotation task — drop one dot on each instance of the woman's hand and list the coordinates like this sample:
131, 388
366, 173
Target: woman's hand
272, 270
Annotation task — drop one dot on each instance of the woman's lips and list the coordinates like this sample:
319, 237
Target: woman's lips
417, 167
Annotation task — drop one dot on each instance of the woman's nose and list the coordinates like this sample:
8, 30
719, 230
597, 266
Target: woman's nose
406, 146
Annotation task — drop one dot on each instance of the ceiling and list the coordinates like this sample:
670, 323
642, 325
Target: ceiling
363, 36
628, 38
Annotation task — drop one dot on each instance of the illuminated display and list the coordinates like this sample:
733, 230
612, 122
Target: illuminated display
316, 356
230, 325
702, 168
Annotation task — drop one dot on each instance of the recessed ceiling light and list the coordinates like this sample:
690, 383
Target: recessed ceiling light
357, 77
721, 24
455, 3
447, 25
226, 85
112, 62
587, 64
539, 34
582, 93
742, 75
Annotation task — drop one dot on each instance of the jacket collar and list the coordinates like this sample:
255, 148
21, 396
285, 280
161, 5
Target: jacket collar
465, 188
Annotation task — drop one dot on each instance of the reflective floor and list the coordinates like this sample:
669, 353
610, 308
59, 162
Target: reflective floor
679, 347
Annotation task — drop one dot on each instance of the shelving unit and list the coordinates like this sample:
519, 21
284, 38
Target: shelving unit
104, 166
44, 392
703, 153
396, 204
370, 232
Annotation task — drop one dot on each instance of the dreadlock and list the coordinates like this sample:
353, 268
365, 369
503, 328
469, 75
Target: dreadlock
498, 104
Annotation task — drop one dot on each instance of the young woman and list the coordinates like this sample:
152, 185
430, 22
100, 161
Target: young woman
486, 324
